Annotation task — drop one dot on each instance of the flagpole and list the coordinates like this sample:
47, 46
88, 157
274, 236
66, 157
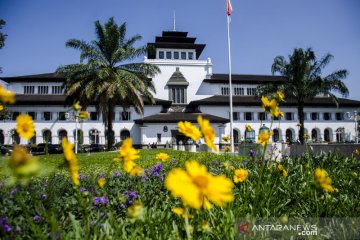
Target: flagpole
230, 88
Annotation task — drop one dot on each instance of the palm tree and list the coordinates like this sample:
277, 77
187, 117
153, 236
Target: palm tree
304, 81
105, 77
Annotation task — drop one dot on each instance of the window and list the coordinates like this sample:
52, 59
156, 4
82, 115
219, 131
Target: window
32, 115
158, 138
327, 116
305, 116
191, 55
56, 90
225, 91
339, 116
47, 116
314, 116
15, 115
29, 89
168, 55
94, 116
62, 116
262, 116
43, 89
236, 116
161, 54
289, 116
183, 55
176, 55
177, 95
125, 116
248, 116
239, 91
251, 91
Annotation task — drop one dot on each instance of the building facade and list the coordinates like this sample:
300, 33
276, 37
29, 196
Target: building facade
185, 88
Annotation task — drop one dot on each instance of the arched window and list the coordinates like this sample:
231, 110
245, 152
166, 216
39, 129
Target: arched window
94, 136
327, 137
2, 137
276, 135
80, 136
340, 134
124, 134
289, 135
62, 134
236, 135
314, 135
33, 139
47, 138
250, 135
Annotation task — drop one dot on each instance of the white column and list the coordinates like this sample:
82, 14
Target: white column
143, 134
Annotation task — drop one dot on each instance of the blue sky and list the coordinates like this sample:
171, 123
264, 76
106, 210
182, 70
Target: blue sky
260, 30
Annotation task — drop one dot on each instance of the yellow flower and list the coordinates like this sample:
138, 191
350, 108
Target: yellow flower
189, 130
76, 106
284, 173
282, 170
354, 174
298, 124
279, 96
84, 115
128, 155
208, 132
227, 149
162, 157
22, 163
356, 152
181, 212
6, 96
1, 107
323, 180
71, 159
136, 211
25, 126
240, 175
280, 167
136, 171
306, 136
320, 173
248, 127
270, 106
264, 138
205, 227
226, 139
101, 182
281, 114
196, 186
232, 168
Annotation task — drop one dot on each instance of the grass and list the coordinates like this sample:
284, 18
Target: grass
70, 214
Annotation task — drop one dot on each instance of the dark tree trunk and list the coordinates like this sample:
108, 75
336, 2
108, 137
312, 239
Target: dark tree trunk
110, 132
301, 121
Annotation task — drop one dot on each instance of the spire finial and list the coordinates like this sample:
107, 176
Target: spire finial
174, 29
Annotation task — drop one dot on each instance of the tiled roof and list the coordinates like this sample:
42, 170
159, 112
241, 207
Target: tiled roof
255, 101
244, 78
174, 117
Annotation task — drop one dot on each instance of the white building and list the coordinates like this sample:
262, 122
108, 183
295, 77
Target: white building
185, 88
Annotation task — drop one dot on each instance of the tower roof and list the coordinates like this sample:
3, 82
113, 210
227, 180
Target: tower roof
174, 40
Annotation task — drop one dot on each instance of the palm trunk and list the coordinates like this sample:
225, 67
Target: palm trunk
301, 121
110, 132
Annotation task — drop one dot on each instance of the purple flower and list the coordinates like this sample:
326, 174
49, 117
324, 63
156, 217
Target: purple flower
49, 235
4, 225
93, 223
117, 174
101, 200
252, 153
130, 197
122, 206
36, 218
82, 189
102, 175
156, 170
174, 162
15, 190
81, 176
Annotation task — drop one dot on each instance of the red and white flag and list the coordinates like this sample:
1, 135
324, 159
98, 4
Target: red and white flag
228, 7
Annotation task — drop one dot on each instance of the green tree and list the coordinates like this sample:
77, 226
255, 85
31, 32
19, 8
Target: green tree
105, 75
304, 80
2, 36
